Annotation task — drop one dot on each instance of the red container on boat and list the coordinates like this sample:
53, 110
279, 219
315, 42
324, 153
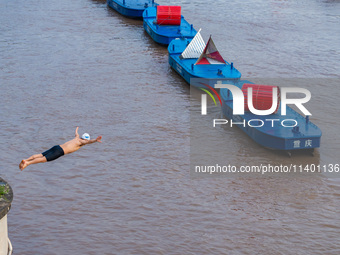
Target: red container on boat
168, 15
262, 96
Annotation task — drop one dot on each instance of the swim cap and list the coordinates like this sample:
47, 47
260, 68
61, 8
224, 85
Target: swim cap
85, 136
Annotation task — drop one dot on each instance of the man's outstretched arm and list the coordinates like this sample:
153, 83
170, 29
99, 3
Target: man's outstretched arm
98, 139
77, 135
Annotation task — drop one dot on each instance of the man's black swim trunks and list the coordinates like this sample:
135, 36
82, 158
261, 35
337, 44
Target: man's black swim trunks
53, 153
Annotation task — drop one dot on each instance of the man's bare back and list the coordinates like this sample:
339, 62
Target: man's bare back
72, 145
58, 150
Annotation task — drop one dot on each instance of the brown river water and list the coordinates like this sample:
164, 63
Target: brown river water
78, 63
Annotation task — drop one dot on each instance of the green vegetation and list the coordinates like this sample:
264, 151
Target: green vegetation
3, 190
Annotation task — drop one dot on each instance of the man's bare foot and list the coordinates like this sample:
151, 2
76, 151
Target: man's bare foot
23, 165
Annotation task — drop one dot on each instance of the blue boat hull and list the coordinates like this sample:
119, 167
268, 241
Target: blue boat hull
164, 34
278, 137
132, 9
188, 70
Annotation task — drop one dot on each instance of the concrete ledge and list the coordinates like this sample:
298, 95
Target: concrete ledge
6, 197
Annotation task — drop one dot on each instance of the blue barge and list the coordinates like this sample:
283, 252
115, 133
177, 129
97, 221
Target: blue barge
131, 8
195, 59
272, 134
161, 31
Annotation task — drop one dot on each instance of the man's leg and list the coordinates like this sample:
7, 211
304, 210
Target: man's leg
26, 163
49, 155
35, 156
30, 158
